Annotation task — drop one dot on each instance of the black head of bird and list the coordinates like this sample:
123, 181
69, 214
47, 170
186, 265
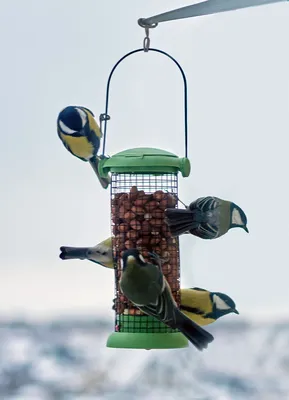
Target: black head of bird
238, 218
72, 120
222, 304
132, 257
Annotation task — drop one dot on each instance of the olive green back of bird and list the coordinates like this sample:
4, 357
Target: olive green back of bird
224, 211
141, 285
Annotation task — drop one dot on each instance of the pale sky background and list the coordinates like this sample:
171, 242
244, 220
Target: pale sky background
57, 53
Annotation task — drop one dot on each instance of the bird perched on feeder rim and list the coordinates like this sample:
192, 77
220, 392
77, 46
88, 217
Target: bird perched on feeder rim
100, 254
205, 307
146, 287
81, 136
207, 217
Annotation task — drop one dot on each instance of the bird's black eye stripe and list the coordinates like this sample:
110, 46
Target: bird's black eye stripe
192, 310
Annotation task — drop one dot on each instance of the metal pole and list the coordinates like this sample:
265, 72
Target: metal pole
205, 8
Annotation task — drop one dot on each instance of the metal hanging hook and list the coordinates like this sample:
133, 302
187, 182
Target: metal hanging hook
147, 27
146, 41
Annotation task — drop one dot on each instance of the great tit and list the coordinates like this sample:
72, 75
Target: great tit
207, 217
205, 307
80, 134
146, 287
100, 254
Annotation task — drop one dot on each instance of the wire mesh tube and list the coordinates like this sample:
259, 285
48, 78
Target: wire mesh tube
138, 202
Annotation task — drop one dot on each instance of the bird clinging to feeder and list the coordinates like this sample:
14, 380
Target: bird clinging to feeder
100, 254
81, 135
144, 284
205, 307
200, 305
207, 217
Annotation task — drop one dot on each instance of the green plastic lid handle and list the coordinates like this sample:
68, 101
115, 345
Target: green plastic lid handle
105, 116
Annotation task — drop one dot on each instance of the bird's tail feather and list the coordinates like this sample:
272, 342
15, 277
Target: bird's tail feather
103, 181
198, 336
177, 230
68, 253
181, 221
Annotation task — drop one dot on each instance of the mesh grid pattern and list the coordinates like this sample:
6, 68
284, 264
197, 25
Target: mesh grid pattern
138, 202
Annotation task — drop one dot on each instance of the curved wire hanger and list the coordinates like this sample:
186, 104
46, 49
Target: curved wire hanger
104, 117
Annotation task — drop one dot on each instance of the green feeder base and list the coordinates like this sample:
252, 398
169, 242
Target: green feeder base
145, 332
148, 341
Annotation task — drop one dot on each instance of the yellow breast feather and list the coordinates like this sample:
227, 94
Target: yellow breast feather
79, 146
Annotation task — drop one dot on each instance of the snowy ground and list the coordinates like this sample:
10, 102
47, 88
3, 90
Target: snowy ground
68, 360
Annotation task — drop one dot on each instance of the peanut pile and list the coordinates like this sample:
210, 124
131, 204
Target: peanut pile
138, 222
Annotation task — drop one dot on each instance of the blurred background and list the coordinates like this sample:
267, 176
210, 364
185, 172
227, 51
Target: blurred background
55, 315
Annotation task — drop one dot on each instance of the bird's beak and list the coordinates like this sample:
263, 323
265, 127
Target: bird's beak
236, 311
246, 229
130, 260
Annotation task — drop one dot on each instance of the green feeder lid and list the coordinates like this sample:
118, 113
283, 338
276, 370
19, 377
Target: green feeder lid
144, 160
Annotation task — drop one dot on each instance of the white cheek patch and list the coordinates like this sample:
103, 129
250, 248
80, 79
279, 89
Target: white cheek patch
83, 116
141, 258
121, 263
220, 304
65, 129
236, 217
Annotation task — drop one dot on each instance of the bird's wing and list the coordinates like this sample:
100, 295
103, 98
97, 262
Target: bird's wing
205, 231
94, 126
164, 308
204, 204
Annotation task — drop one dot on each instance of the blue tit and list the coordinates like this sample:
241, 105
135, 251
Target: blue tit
205, 307
80, 134
146, 287
100, 254
207, 217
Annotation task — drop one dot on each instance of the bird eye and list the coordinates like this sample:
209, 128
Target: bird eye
65, 129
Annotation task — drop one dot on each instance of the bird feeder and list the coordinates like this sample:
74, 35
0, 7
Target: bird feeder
144, 182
